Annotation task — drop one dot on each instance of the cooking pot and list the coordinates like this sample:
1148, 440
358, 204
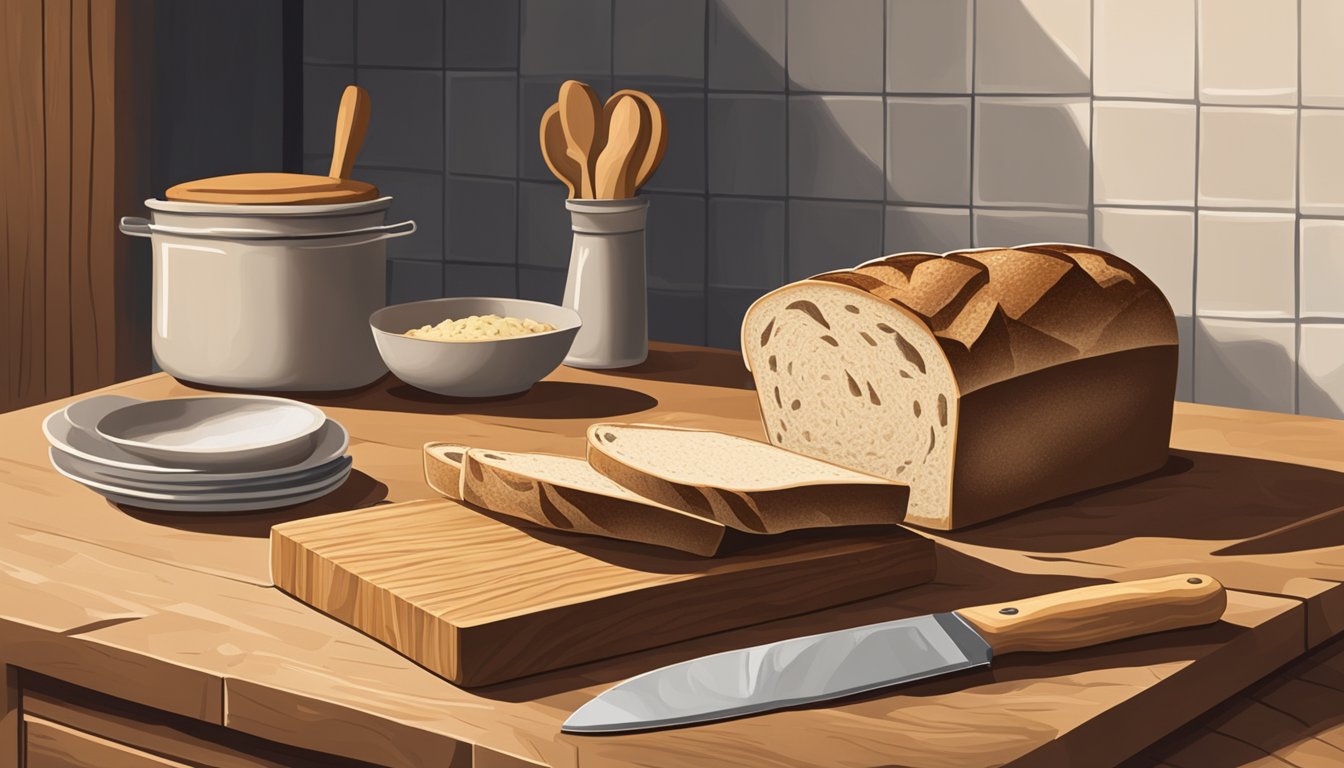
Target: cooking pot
268, 297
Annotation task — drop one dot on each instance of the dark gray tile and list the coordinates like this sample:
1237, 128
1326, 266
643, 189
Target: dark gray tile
835, 147
540, 284
413, 280
317, 164
480, 280
825, 235
929, 150
677, 316
747, 145
482, 123
836, 45
727, 307
683, 168
329, 31
538, 94
746, 45
417, 196
406, 129
544, 236
660, 39
322, 89
927, 229
675, 242
999, 228
482, 220
746, 242
481, 33
400, 33
566, 37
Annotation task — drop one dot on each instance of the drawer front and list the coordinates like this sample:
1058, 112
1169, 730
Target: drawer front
52, 745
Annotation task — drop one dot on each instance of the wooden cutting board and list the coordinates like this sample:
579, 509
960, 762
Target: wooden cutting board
481, 600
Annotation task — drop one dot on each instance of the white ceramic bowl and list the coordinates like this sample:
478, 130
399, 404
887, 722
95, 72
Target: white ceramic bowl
473, 368
236, 431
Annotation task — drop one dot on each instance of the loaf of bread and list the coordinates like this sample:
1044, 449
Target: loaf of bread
987, 380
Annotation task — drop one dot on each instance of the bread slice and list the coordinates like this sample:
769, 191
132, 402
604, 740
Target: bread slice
744, 484
989, 380
563, 493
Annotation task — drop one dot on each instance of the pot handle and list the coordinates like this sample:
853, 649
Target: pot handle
143, 228
135, 226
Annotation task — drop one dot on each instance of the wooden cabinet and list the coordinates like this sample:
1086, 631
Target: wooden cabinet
65, 726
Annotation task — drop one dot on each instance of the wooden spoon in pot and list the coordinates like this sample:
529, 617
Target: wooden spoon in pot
352, 122
555, 151
579, 111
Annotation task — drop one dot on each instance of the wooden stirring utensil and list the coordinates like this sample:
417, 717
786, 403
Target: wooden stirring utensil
555, 151
623, 136
352, 122
579, 110
656, 144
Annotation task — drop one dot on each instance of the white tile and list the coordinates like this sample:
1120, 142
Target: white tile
1322, 268
1322, 54
929, 150
1248, 51
1185, 369
1322, 162
1245, 265
929, 46
1143, 152
836, 147
1033, 46
1144, 48
1032, 152
1008, 228
1320, 382
938, 230
1246, 364
836, 45
1247, 157
1160, 243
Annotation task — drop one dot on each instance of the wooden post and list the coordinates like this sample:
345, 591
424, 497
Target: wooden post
69, 164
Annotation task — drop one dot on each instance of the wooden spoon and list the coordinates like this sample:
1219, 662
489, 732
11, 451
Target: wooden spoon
657, 142
555, 151
623, 134
641, 145
579, 110
352, 122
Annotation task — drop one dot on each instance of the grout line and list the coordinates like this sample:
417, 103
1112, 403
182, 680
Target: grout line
1194, 197
788, 149
886, 135
975, 125
1092, 124
1297, 229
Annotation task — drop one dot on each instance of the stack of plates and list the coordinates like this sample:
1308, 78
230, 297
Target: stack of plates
199, 454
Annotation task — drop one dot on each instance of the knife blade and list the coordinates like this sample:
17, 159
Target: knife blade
832, 665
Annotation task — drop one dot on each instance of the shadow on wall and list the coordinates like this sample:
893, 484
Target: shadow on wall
1246, 374
1033, 153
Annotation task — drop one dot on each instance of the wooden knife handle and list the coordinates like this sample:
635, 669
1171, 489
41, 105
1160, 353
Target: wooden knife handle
1077, 618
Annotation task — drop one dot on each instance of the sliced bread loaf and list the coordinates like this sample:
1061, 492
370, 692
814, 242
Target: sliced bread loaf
989, 380
563, 493
744, 484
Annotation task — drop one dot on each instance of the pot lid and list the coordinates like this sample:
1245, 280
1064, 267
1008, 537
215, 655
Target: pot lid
352, 122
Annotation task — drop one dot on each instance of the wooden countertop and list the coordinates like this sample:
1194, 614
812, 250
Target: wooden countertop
179, 613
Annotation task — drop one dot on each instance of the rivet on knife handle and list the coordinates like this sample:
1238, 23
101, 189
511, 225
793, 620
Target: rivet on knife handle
1087, 616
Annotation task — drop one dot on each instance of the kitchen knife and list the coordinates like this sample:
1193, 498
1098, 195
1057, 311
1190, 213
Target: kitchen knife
832, 665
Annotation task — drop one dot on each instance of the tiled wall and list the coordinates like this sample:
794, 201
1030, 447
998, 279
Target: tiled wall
1201, 139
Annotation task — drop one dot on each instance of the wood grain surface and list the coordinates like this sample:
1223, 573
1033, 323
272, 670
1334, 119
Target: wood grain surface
115, 598
481, 600
72, 76
52, 745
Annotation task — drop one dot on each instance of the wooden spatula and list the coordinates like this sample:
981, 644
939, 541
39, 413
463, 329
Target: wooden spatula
579, 112
352, 122
622, 149
555, 151
655, 146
